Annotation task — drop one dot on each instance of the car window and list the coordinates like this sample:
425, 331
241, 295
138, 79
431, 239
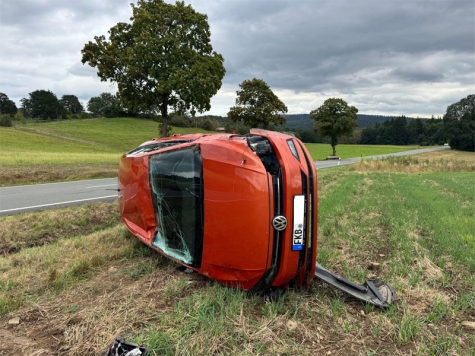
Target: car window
176, 184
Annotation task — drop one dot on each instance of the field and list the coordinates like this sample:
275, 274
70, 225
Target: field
70, 150
73, 279
86, 149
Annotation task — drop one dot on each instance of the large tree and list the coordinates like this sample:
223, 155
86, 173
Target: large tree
42, 104
459, 124
162, 59
257, 105
7, 106
335, 119
71, 103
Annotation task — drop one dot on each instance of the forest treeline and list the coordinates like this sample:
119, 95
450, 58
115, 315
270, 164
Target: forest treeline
400, 131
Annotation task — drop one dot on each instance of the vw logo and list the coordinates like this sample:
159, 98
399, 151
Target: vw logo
279, 223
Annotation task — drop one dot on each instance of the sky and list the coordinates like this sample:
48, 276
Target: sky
385, 57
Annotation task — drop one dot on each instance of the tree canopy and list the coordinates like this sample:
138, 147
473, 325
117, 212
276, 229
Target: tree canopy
335, 119
104, 105
459, 124
257, 105
7, 106
162, 59
42, 104
71, 103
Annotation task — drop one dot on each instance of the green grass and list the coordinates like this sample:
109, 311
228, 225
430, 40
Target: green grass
22, 148
122, 134
321, 151
104, 140
415, 218
418, 226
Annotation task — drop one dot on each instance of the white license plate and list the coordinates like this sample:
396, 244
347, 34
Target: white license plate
298, 231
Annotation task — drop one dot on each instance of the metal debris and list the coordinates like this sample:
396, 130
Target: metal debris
121, 347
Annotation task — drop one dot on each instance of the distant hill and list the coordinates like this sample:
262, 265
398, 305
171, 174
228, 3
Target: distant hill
304, 122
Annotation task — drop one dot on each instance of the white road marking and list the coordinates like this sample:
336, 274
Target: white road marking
98, 186
63, 202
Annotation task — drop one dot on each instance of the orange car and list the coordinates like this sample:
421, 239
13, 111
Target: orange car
239, 209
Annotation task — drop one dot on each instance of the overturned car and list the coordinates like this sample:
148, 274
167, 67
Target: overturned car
240, 209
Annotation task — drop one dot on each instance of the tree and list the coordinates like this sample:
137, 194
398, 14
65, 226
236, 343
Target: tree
459, 124
257, 105
7, 106
42, 104
335, 119
163, 59
71, 103
104, 105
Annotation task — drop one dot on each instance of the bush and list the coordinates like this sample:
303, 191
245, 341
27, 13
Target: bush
179, 121
206, 125
5, 120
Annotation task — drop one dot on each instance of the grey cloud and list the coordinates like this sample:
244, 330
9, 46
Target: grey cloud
382, 55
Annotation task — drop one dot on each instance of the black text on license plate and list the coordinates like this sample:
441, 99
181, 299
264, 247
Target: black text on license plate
298, 229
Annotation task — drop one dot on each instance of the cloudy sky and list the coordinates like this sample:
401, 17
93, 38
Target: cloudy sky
388, 57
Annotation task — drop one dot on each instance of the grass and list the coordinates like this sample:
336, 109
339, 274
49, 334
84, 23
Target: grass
20, 148
88, 149
414, 218
39, 228
321, 151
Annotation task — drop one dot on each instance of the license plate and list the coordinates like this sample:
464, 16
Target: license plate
298, 230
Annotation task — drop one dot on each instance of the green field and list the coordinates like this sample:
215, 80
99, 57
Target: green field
80, 279
321, 151
104, 140
87, 149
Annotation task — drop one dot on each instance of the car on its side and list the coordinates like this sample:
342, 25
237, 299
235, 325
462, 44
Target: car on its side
240, 209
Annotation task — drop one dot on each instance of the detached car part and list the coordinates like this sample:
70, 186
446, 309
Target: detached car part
121, 347
239, 209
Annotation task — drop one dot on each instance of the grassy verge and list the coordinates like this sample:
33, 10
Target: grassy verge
412, 227
39, 228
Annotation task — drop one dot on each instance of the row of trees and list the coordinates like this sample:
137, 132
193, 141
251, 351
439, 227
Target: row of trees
403, 131
45, 105
456, 128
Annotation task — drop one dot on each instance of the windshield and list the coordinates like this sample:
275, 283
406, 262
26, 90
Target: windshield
175, 179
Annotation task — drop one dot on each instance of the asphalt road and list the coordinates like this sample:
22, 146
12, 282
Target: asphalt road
21, 199
24, 198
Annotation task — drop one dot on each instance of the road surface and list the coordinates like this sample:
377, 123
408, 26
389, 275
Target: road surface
25, 198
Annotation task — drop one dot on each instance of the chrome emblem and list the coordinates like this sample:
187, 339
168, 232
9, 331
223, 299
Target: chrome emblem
279, 223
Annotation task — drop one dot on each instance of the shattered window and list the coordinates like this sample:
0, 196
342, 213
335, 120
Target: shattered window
175, 179
155, 146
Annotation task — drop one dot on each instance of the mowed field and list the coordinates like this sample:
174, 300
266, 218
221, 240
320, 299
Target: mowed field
73, 279
86, 149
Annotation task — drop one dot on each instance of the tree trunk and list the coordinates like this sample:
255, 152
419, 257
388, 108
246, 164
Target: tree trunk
334, 142
164, 110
